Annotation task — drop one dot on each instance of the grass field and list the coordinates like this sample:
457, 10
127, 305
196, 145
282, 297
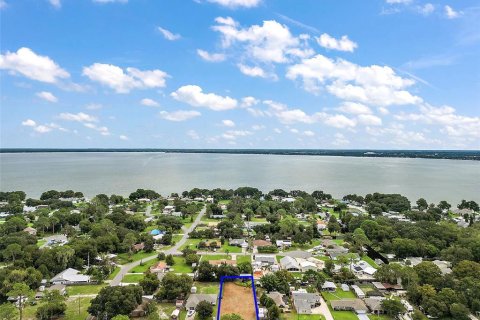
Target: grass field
132, 278
230, 249
296, 246
370, 261
73, 311
242, 258
165, 310
380, 317
337, 295
344, 315
207, 287
123, 258
215, 257
143, 268
84, 289
192, 243
180, 266
294, 316
114, 273
41, 242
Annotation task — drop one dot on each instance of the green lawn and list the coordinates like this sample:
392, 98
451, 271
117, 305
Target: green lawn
231, 249
41, 242
215, 257
187, 222
324, 258
123, 258
224, 201
370, 261
242, 258
165, 309
380, 317
84, 289
192, 243
279, 257
254, 219
132, 278
207, 287
143, 268
339, 294
180, 266
344, 315
294, 316
306, 246
114, 273
73, 311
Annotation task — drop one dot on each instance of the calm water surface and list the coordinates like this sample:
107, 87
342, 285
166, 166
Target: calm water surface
122, 173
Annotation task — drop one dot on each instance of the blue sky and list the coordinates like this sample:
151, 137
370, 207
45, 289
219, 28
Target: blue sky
387, 74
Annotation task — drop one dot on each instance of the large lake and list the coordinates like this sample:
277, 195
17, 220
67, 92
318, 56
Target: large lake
122, 173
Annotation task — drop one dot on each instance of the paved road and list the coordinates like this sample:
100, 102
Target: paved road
174, 250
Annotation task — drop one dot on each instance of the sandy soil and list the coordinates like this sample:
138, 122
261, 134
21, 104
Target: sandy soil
239, 300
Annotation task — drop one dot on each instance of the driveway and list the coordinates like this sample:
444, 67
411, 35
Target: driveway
323, 309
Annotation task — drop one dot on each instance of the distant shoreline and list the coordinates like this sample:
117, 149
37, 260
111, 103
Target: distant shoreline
367, 153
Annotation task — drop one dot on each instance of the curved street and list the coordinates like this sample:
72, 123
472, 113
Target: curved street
173, 250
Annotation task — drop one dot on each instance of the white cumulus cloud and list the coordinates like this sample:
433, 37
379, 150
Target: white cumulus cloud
123, 81
29, 123
354, 108
79, 117
56, 3
232, 4
228, 123
149, 102
342, 44
48, 96
375, 85
179, 115
211, 57
369, 120
32, 66
168, 34
451, 13
194, 96
270, 42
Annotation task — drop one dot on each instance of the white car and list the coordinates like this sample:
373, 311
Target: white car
190, 313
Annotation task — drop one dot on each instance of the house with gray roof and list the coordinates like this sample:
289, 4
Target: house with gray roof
195, 298
70, 276
374, 304
280, 299
290, 264
304, 302
355, 305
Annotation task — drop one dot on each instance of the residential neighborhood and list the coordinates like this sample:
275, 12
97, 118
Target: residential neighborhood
311, 258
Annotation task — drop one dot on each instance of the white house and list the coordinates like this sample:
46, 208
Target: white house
70, 276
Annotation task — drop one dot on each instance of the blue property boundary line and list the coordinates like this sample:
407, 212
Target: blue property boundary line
223, 278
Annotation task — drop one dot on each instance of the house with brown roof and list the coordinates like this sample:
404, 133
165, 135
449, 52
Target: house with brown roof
138, 247
160, 267
261, 243
31, 231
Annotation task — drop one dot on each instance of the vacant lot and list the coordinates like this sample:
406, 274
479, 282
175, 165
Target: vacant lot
239, 300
